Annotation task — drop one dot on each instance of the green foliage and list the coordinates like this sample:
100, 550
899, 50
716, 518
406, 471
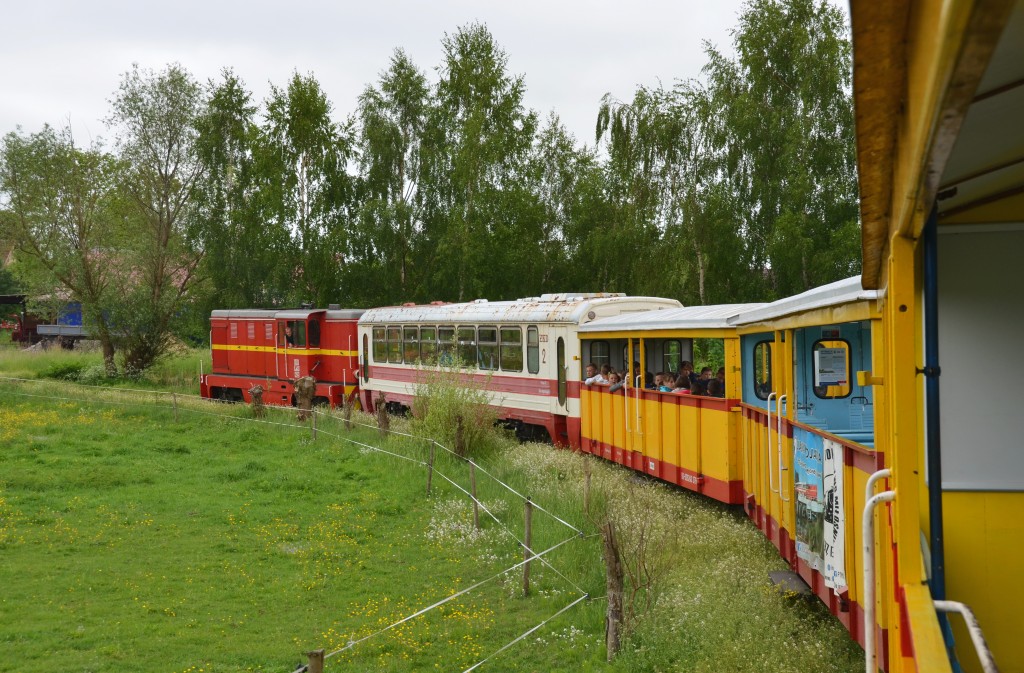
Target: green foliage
451, 403
67, 370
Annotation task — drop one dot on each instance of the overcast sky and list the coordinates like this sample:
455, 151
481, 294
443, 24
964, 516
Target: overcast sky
62, 59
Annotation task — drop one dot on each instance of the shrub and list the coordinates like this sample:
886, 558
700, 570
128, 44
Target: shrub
448, 403
63, 370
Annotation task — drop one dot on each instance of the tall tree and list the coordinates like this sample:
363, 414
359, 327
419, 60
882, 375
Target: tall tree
63, 216
244, 249
475, 153
392, 118
154, 118
785, 134
303, 167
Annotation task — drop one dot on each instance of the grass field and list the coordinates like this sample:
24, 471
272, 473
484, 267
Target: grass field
133, 541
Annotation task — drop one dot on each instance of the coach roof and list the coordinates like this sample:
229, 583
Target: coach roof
841, 292
688, 317
550, 308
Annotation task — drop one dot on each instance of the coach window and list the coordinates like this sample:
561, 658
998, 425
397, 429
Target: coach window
411, 344
600, 353
428, 345
446, 345
512, 349
532, 350
395, 345
830, 363
763, 369
250, 331
380, 345
487, 347
314, 334
366, 358
671, 355
467, 346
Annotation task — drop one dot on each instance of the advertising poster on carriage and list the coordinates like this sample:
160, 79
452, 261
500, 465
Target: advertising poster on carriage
818, 470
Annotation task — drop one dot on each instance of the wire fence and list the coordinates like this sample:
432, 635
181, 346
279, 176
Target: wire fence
195, 404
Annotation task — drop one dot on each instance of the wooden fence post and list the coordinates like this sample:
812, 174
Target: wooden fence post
614, 583
430, 467
528, 546
472, 486
316, 661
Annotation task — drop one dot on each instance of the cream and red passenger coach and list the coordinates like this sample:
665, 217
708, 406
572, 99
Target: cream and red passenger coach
526, 351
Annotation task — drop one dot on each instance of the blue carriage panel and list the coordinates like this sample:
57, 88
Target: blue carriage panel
843, 409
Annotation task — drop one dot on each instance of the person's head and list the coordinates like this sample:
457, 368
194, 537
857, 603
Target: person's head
659, 379
715, 388
288, 330
721, 374
705, 373
685, 367
606, 370
669, 381
613, 378
591, 370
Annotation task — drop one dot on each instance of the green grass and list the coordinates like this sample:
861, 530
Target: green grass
176, 372
132, 541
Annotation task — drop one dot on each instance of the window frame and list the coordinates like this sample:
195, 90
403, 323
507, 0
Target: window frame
394, 344
533, 350
413, 342
849, 364
465, 348
754, 369
516, 348
379, 337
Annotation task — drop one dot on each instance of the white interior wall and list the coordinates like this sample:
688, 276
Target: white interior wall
981, 355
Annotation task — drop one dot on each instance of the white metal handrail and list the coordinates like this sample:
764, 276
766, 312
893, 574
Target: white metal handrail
870, 502
778, 416
771, 472
988, 663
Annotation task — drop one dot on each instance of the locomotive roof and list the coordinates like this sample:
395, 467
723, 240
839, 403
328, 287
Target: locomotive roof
687, 317
287, 314
548, 308
845, 291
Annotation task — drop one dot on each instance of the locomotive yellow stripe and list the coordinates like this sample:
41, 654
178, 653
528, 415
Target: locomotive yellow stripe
286, 351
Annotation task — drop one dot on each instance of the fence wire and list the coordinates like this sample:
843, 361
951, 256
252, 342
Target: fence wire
195, 401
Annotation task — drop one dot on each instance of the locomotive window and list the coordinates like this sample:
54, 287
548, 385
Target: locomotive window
395, 345
532, 350
763, 369
600, 353
512, 349
314, 334
298, 337
412, 345
380, 345
467, 346
446, 345
487, 349
830, 362
671, 355
428, 345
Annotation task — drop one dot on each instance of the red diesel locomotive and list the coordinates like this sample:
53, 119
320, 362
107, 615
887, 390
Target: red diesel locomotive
274, 348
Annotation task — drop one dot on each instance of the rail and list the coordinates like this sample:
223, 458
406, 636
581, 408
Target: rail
988, 663
771, 472
870, 502
778, 416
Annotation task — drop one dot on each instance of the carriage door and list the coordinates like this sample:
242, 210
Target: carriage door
282, 351
562, 384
